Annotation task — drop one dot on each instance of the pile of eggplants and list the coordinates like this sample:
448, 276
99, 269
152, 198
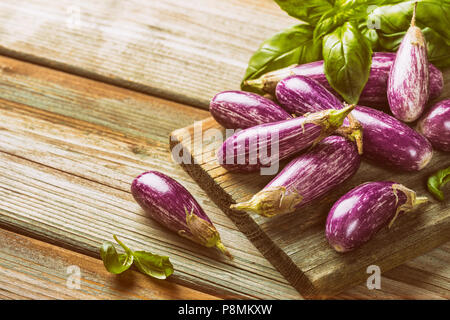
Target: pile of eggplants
374, 93
400, 83
306, 121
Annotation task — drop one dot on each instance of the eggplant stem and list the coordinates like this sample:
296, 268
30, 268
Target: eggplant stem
203, 232
330, 120
412, 201
270, 202
255, 83
354, 133
413, 20
222, 249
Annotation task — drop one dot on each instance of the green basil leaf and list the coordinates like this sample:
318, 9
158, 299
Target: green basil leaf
437, 181
349, 11
438, 51
308, 11
347, 60
436, 15
372, 36
396, 18
327, 23
291, 46
153, 265
114, 262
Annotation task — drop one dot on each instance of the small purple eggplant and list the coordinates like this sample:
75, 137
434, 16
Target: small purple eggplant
385, 139
389, 141
241, 110
409, 78
435, 126
374, 93
267, 144
362, 212
299, 95
168, 202
307, 177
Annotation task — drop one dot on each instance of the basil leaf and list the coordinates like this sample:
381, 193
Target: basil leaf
350, 11
327, 23
291, 46
437, 181
114, 262
308, 11
372, 36
148, 263
153, 265
347, 60
396, 18
436, 15
438, 51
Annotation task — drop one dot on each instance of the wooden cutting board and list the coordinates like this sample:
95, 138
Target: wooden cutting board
295, 243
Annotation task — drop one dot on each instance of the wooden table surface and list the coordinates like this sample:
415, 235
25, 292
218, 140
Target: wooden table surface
89, 92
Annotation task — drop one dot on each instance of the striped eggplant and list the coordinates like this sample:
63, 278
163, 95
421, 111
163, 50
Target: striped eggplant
240, 110
435, 125
168, 202
385, 139
363, 211
305, 178
300, 94
408, 84
374, 93
267, 144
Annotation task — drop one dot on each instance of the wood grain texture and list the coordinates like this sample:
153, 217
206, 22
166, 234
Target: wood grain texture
181, 50
295, 243
66, 111
32, 269
66, 180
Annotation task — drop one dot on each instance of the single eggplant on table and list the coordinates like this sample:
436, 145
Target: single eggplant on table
168, 202
241, 110
385, 139
305, 178
374, 93
363, 211
435, 125
408, 84
267, 144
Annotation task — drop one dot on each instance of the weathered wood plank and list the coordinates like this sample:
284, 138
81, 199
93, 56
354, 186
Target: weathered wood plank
70, 185
182, 50
32, 269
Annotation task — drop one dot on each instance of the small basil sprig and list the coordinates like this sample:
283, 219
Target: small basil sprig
148, 263
437, 181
